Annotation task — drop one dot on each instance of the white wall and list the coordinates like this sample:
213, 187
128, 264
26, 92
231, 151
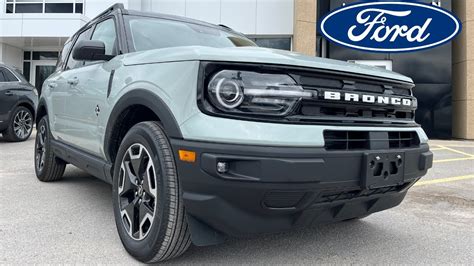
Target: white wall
11, 55
95, 7
253, 17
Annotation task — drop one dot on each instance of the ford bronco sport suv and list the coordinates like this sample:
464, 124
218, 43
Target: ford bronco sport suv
205, 136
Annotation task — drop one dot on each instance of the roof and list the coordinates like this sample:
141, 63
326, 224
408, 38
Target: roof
120, 8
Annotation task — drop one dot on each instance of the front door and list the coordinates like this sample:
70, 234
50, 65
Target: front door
40, 71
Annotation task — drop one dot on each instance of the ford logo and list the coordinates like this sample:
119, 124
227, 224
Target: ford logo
390, 26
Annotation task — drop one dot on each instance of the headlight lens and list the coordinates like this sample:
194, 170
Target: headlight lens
247, 92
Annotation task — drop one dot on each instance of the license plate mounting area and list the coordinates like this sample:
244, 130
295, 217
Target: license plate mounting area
382, 169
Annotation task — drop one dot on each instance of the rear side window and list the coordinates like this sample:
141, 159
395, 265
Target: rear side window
63, 56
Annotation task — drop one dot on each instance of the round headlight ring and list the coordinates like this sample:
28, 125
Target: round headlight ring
237, 95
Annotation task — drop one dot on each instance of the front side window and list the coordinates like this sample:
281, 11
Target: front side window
71, 63
105, 32
154, 33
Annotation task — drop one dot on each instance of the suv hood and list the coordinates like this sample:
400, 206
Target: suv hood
255, 55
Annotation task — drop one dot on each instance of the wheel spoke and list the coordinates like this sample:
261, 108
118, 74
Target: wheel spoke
145, 214
137, 161
131, 214
129, 179
149, 180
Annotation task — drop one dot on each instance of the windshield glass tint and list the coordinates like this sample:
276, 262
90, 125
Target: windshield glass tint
154, 33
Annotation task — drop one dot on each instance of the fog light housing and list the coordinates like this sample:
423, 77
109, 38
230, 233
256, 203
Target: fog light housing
222, 167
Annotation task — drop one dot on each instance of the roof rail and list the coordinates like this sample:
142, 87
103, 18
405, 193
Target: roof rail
224, 26
117, 6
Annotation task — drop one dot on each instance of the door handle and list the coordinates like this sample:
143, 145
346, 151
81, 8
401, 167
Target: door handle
8, 93
73, 81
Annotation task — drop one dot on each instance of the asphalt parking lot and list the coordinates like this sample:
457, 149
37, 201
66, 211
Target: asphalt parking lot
71, 221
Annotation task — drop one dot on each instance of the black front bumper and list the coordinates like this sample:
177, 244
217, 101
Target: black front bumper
270, 189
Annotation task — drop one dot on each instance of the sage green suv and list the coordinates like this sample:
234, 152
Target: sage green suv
205, 136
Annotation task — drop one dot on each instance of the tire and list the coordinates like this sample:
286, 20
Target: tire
47, 166
146, 188
21, 125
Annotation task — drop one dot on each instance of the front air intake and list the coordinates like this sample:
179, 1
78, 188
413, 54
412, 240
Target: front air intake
366, 140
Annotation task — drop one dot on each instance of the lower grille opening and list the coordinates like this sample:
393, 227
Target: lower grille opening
283, 199
347, 195
366, 140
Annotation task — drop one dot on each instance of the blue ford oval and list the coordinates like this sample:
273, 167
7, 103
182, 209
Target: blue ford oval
390, 26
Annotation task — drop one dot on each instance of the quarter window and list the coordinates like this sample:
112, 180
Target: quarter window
2, 77
105, 32
7, 76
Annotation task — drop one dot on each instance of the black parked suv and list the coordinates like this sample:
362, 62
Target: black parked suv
18, 101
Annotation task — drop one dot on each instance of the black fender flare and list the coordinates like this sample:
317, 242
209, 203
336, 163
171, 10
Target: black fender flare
149, 100
41, 104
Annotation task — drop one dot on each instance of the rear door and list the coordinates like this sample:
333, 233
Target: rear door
88, 92
55, 91
8, 97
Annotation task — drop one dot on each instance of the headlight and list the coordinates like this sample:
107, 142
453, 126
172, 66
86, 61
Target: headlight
247, 92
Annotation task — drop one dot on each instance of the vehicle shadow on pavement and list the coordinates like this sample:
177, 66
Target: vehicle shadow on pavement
303, 245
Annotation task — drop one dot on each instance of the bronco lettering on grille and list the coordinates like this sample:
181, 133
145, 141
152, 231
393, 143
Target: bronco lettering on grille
366, 98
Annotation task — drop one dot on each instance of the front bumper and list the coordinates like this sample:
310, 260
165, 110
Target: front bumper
271, 189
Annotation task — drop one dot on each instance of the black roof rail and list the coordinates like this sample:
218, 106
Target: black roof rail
224, 26
117, 6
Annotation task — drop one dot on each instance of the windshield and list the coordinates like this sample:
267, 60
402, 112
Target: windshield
154, 33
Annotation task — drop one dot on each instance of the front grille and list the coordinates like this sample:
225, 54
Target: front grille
331, 111
368, 140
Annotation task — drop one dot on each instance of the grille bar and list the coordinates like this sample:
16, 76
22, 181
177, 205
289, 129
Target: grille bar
366, 140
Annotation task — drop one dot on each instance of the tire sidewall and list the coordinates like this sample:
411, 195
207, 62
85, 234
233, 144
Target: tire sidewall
146, 248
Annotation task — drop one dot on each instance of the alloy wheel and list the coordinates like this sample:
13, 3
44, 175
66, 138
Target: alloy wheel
22, 124
40, 147
137, 191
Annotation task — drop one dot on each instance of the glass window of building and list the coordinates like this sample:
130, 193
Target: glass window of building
45, 6
282, 43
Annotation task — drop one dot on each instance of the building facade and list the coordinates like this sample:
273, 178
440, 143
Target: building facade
32, 33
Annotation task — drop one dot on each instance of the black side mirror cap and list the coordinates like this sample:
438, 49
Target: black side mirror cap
90, 50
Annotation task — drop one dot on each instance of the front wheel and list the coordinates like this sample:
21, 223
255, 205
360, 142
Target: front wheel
148, 206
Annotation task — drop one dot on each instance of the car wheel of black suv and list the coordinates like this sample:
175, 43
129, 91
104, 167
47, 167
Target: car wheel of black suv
47, 166
21, 125
148, 205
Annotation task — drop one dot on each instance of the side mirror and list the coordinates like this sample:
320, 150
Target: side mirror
89, 50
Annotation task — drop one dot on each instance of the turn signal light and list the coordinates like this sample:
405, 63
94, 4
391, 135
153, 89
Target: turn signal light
187, 156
